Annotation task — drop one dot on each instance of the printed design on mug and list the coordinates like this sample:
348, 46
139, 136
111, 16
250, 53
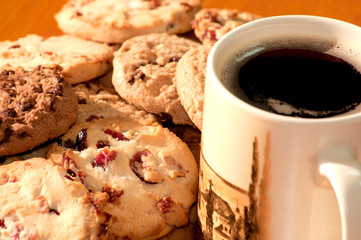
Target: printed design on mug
229, 212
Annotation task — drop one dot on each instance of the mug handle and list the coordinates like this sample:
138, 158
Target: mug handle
343, 171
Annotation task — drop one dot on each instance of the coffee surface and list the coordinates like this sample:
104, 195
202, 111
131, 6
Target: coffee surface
299, 82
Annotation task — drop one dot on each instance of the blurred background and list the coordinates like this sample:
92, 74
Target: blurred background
21, 17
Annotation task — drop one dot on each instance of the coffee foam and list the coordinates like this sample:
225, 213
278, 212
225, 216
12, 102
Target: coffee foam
229, 72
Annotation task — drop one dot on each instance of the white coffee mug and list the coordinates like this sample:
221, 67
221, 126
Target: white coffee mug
268, 176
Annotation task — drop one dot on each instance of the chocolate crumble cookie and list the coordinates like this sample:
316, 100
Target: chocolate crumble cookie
35, 106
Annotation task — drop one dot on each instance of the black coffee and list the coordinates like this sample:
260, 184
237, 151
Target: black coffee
300, 82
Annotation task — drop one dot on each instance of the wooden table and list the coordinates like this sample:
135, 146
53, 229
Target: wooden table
21, 17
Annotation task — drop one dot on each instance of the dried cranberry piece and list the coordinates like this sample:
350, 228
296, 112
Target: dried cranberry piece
165, 204
2, 224
102, 144
69, 178
116, 135
91, 118
51, 210
211, 16
11, 179
137, 164
71, 173
81, 140
68, 162
70, 144
211, 34
104, 158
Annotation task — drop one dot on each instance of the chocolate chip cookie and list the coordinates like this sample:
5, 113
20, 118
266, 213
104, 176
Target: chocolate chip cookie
114, 21
190, 79
81, 60
97, 101
144, 74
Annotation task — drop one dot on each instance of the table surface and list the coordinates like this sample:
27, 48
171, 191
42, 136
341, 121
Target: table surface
21, 17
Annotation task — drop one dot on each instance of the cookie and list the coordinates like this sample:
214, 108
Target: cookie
114, 21
37, 152
81, 60
35, 106
144, 74
148, 172
190, 136
190, 80
210, 24
97, 101
39, 200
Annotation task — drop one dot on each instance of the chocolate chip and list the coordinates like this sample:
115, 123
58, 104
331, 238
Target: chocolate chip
56, 90
9, 113
138, 74
25, 106
170, 26
174, 59
81, 100
7, 134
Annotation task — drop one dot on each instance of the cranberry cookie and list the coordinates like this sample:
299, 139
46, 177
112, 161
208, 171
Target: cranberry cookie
149, 174
39, 200
190, 80
81, 60
210, 24
114, 21
144, 74
35, 106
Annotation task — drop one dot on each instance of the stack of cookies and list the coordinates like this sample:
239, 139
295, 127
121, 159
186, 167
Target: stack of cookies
100, 127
